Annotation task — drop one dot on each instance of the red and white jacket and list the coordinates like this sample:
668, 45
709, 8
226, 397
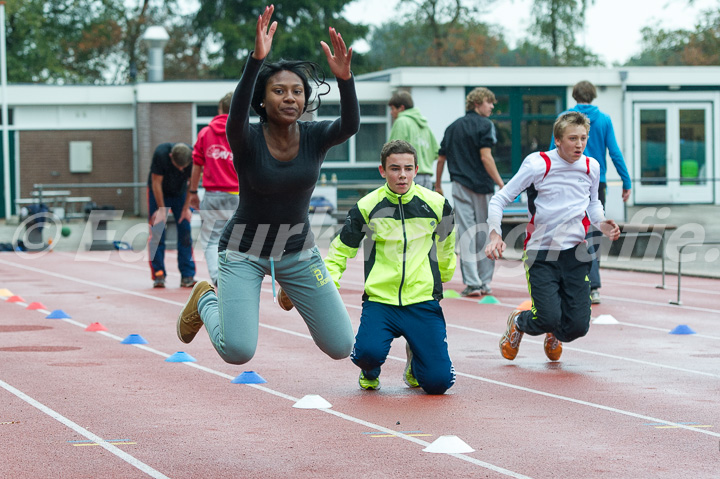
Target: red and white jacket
213, 153
562, 200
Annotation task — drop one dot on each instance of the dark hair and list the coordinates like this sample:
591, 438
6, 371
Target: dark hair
584, 92
305, 70
396, 147
181, 155
401, 98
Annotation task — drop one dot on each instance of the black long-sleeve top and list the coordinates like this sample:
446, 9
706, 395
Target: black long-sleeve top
274, 196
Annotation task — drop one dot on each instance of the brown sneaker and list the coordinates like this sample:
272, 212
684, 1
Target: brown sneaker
284, 301
189, 322
510, 342
553, 347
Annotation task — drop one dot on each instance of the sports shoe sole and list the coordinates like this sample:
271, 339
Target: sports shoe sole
512, 334
553, 354
408, 368
198, 285
284, 300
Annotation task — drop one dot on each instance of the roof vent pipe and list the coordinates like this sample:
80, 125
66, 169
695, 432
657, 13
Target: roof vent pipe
156, 39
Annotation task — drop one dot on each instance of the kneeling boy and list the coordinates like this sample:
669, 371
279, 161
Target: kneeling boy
409, 245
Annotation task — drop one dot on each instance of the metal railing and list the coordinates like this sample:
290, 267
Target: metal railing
680, 257
40, 187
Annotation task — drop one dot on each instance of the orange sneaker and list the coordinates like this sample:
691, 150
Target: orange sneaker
553, 347
284, 300
510, 342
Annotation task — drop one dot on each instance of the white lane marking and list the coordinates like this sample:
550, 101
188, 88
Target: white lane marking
259, 387
590, 404
595, 353
534, 391
84, 432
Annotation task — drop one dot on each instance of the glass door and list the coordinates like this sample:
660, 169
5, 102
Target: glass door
673, 153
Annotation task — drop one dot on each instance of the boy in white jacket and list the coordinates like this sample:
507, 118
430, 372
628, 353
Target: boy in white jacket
562, 190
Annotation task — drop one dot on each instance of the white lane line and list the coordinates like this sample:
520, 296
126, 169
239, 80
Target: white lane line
622, 358
84, 432
595, 353
578, 401
616, 298
590, 404
266, 389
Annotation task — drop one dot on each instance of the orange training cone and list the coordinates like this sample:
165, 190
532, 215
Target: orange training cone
96, 327
36, 305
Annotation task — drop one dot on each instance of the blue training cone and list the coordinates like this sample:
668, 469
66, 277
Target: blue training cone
682, 329
57, 314
181, 357
134, 339
249, 377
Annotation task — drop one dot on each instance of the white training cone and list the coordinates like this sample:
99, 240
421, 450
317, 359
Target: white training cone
312, 401
449, 445
605, 319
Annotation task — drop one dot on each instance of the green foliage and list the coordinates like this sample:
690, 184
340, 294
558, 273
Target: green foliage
84, 41
467, 43
229, 29
700, 46
556, 22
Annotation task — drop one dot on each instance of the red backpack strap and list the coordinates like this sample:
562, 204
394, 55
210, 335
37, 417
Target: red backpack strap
547, 163
587, 162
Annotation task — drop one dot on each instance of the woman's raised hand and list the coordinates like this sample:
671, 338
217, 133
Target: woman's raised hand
340, 56
263, 35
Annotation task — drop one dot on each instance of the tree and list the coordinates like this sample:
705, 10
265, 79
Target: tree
700, 46
556, 22
91, 41
465, 43
229, 30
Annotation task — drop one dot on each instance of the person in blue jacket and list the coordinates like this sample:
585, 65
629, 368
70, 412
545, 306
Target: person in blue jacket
601, 140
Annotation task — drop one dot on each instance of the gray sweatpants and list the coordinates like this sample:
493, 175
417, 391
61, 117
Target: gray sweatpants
232, 316
471, 213
216, 209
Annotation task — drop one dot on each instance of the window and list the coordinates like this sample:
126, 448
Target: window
523, 119
363, 149
10, 116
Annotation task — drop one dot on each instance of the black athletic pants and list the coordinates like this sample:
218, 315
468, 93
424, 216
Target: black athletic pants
560, 292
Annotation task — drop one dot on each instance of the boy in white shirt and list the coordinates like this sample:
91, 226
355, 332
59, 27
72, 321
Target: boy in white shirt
562, 189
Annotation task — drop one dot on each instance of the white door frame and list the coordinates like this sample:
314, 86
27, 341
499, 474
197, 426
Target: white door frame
647, 194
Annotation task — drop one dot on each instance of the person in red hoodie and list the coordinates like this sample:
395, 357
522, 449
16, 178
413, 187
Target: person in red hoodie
213, 160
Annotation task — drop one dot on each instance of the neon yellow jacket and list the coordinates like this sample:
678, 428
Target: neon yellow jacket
409, 245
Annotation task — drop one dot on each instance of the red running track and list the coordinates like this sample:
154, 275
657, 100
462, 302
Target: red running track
628, 400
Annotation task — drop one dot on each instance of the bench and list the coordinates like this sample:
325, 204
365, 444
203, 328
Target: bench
59, 202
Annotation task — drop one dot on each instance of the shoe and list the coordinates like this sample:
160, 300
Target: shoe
368, 384
284, 301
595, 296
472, 292
408, 376
553, 347
486, 289
189, 321
159, 280
510, 342
187, 282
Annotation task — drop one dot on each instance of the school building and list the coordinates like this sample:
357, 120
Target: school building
667, 123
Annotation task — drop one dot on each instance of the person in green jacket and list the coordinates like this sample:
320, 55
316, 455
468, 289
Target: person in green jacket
409, 244
410, 125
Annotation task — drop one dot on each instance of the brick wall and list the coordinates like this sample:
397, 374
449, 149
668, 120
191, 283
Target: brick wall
44, 157
161, 123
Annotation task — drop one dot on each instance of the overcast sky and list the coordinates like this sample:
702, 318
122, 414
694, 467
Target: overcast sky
613, 26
